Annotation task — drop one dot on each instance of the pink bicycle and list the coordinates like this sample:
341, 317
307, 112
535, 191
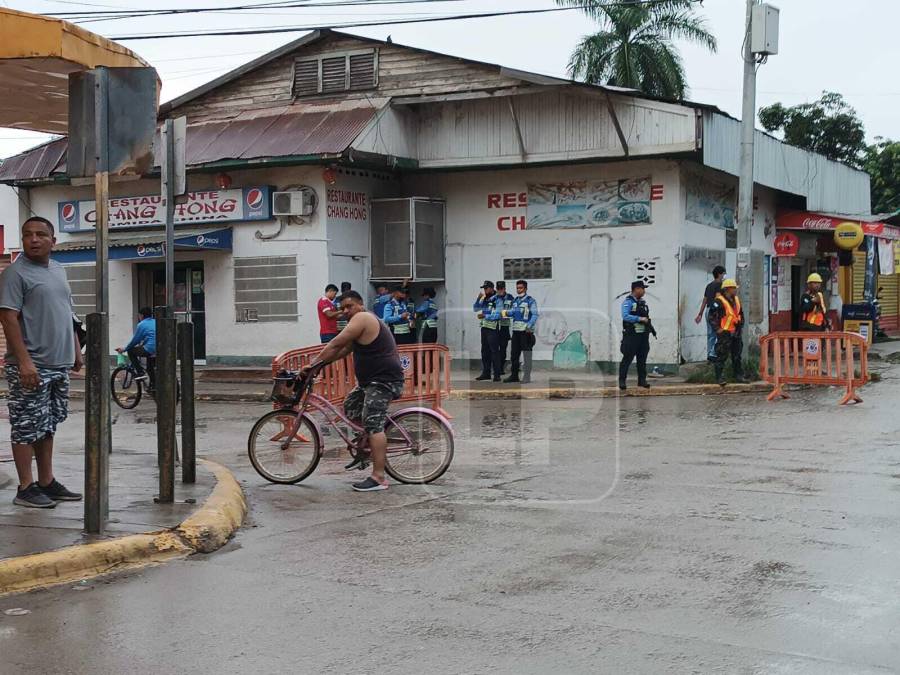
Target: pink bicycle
285, 445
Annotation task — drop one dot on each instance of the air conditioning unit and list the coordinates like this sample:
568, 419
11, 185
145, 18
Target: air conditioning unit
294, 203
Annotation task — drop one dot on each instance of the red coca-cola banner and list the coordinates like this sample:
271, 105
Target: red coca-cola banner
804, 220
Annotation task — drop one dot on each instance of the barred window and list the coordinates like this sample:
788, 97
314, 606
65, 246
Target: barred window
82, 281
265, 289
336, 72
527, 268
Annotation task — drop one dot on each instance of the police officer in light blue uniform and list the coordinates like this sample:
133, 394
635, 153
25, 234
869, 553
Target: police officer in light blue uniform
488, 311
427, 313
397, 317
382, 297
636, 329
524, 315
505, 300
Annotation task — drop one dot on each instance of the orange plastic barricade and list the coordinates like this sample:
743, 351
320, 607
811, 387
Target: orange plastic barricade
837, 358
426, 371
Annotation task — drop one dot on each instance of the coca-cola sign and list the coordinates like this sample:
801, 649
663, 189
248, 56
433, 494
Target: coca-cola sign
787, 244
818, 223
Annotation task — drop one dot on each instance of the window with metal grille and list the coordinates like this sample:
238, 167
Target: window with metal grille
265, 289
83, 284
336, 72
645, 269
527, 268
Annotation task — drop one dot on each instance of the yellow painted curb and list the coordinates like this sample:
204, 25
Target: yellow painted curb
204, 531
74, 563
210, 526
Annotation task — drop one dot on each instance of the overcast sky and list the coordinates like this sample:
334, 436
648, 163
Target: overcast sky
848, 47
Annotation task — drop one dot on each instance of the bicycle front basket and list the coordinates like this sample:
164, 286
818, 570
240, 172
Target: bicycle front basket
283, 387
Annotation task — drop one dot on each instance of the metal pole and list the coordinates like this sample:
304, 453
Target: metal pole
188, 436
98, 426
96, 445
169, 195
165, 406
745, 184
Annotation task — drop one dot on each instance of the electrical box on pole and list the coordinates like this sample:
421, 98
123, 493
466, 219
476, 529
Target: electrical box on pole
764, 30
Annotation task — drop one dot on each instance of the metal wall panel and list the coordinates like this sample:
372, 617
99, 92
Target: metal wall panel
555, 126
828, 186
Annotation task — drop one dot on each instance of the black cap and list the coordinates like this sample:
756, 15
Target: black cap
638, 284
501, 284
487, 284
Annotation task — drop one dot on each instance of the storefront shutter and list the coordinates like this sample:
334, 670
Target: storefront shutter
889, 302
859, 276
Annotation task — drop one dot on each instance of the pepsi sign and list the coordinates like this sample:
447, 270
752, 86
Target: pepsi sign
202, 206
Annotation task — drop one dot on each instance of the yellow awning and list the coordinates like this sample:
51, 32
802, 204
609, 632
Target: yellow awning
37, 53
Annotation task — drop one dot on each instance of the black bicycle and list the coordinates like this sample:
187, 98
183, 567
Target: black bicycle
127, 386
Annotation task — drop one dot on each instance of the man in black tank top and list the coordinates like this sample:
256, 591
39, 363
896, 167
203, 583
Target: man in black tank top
379, 379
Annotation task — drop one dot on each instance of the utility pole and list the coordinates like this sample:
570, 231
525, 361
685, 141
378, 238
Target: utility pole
745, 183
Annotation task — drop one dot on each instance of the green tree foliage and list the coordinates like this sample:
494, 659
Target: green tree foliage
635, 45
882, 162
828, 126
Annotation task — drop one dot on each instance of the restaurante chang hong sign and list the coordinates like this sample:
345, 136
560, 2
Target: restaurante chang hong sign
203, 206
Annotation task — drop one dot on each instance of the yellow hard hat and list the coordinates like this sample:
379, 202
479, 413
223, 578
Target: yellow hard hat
729, 283
815, 277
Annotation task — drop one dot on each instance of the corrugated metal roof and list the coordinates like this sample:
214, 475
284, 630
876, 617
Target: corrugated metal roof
39, 162
311, 130
827, 185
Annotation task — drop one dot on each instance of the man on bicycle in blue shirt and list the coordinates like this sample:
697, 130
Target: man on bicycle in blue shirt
143, 343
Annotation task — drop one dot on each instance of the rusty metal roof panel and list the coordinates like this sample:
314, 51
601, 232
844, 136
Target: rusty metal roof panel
317, 131
39, 162
289, 135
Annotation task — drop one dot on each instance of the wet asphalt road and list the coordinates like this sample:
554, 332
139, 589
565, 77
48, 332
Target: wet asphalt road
684, 534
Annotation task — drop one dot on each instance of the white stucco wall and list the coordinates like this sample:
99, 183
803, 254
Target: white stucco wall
592, 268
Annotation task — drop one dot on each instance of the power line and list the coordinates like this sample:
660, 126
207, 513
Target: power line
360, 24
286, 4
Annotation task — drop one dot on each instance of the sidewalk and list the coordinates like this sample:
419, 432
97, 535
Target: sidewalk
133, 481
139, 530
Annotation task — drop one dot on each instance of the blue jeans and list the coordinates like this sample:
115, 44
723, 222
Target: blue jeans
710, 340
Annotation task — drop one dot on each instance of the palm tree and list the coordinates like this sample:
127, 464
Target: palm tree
634, 47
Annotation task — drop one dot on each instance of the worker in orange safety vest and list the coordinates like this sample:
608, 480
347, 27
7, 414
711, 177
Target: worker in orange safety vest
726, 317
813, 310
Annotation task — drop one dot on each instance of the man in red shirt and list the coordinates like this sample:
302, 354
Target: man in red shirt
328, 315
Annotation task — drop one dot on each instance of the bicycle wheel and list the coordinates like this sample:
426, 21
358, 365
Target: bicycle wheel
276, 464
431, 451
125, 389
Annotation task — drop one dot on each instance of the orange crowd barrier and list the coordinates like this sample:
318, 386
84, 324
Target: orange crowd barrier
426, 369
833, 358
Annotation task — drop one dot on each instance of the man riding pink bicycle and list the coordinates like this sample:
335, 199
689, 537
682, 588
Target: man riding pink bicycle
413, 445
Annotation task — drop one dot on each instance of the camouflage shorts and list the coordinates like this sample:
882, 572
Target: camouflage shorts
368, 405
35, 413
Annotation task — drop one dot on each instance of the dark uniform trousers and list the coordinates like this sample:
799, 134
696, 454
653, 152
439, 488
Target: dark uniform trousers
522, 341
490, 352
634, 345
429, 335
504, 346
729, 344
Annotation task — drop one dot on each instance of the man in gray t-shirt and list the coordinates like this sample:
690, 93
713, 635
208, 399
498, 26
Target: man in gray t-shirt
36, 314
